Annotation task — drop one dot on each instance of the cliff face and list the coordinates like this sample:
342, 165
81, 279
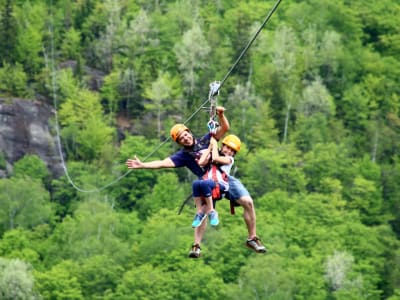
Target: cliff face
25, 129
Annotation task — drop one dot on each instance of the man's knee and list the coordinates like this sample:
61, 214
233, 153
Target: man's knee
245, 201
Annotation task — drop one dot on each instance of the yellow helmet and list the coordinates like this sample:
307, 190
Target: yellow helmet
232, 141
176, 130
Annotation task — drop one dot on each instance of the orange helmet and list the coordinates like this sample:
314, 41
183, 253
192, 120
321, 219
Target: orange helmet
176, 130
232, 141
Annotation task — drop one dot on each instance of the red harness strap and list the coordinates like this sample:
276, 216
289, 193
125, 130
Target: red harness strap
216, 191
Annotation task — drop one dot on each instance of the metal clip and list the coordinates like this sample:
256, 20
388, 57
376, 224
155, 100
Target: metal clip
214, 88
212, 126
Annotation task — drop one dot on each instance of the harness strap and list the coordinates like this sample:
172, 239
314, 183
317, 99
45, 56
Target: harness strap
216, 191
232, 207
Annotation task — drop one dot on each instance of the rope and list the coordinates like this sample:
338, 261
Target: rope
214, 91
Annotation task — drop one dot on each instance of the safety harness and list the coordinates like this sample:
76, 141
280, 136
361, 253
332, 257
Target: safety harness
216, 192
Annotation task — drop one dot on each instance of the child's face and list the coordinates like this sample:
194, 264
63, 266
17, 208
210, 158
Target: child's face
228, 151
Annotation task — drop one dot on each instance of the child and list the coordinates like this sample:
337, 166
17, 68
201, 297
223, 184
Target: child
214, 182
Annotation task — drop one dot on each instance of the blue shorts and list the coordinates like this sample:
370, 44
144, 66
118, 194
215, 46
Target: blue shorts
236, 189
202, 187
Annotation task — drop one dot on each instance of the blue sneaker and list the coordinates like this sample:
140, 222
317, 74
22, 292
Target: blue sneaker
213, 217
198, 219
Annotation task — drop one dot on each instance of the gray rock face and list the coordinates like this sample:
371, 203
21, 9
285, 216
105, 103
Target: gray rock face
25, 129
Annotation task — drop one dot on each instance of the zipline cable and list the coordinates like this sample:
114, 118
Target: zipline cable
216, 90
274, 8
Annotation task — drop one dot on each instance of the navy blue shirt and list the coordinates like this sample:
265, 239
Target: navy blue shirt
188, 157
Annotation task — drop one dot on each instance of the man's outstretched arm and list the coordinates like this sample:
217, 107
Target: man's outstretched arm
136, 163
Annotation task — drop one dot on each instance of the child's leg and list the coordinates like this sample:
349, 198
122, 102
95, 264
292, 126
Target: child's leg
200, 215
208, 205
199, 204
206, 187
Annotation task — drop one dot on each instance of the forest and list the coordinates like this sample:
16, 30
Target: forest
315, 101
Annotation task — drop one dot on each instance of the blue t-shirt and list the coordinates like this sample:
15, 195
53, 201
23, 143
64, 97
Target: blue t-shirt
188, 157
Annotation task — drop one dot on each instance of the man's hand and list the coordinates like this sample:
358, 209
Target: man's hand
134, 163
223, 123
220, 111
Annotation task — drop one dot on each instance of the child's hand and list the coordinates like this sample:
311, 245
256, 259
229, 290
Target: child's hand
213, 142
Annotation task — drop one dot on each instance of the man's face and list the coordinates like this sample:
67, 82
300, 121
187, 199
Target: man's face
186, 139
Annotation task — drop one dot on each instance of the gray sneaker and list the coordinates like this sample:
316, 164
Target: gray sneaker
255, 244
195, 251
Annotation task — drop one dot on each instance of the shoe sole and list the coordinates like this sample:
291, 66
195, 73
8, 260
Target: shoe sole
257, 251
194, 255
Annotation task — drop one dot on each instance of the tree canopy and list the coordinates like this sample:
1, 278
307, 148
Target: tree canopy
315, 101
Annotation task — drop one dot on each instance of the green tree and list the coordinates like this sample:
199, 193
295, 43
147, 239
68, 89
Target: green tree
138, 184
13, 80
379, 30
96, 229
166, 193
284, 60
249, 116
60, 282
160, 94
272, 282
25, 203
16, 280
110, 92
30, 36
191, 54
17, 244
71, 46
32, 166
8, 33
276, 168
316, 99
328, 161
166, 272
391, 188
107, 44
98, 276
86, 132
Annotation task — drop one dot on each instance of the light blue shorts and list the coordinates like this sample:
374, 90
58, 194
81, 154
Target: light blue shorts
236, 189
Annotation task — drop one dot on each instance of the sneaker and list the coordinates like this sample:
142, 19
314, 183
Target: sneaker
213, 217
195, 251
198, 219
255, 244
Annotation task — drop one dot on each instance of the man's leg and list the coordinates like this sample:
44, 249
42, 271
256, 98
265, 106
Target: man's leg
199, 233
249, 215
238, 192
198, 237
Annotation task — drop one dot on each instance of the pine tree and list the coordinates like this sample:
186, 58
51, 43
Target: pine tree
8, 33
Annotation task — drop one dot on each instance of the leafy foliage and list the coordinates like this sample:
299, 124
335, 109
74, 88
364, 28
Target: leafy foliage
315, 101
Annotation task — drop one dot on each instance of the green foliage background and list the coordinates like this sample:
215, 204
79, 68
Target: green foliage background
316, 102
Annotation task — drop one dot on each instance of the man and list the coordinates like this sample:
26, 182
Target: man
187, 157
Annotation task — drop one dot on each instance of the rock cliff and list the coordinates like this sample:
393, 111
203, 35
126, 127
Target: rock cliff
25, 128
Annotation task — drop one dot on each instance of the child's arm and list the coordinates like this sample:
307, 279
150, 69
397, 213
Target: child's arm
205, 156
216, 158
